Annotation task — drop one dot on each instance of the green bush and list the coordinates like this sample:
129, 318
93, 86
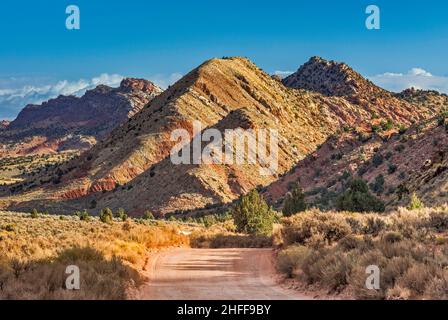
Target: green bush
252, 215
391, 168
120, 213
106, 215
400, 148
294, 202
84, 216
378, 185
34, 213
377, 160
358, 199
415, 203
148, 215
387, 125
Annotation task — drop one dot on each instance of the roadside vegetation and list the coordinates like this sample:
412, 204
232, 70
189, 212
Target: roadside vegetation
315, 249
35, 250
331, 251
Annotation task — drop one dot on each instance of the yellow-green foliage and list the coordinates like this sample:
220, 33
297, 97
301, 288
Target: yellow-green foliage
415, 203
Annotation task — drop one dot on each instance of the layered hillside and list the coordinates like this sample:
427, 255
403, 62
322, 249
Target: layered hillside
132, 169
69, 122
414, 159
332, 78
428, 98
396, 159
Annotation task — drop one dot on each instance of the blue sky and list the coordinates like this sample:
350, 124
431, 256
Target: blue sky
161, 40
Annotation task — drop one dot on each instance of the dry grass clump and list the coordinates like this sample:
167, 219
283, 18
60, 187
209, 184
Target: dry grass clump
100, 278
333, 250
34, 253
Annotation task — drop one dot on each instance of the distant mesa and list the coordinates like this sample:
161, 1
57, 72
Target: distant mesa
93, 115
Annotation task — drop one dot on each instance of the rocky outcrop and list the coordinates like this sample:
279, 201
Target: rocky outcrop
95, 114
4, 124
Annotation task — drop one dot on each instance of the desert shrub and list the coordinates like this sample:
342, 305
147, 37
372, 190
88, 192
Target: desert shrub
415, 203
335, 269
377, 160
400, 148
391, 169
416, 278
402, 130
378, 185
358, 199
34, 213
101, 278
337, 156
291, 259
394, 269
358, 276
106, 215
252, 215
120, 213
387, 125
301, 228
362, 170
148, 215
294, 202
328, 267
437, 288
437, 221
364, 137
84, 216
8, 227
409, 248
401, 191
374, 226
392, 237
350, 242
397, 249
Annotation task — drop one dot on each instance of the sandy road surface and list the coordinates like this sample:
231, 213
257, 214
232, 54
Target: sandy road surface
209, 274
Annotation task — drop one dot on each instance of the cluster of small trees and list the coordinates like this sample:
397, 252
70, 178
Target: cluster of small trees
357, 198
252, 215
106, 215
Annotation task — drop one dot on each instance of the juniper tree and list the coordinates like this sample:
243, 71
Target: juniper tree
294, 202
252, 215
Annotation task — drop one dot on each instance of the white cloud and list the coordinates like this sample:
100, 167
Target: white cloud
164, 81
416, 77
283, 74
13, 99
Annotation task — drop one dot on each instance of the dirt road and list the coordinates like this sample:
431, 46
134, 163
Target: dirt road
214, 274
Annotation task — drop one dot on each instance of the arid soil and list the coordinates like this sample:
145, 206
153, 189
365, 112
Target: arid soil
214, 274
